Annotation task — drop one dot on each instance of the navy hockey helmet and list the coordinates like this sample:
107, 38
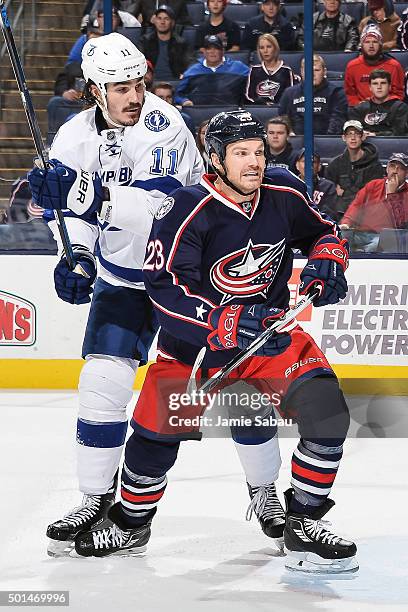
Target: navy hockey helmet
232, 126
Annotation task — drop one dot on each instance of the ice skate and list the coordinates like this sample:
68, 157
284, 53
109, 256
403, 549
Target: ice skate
108, 538
268, 510
312, 548
91, 512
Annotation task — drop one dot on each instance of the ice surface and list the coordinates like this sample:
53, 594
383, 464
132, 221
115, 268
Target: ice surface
203, 555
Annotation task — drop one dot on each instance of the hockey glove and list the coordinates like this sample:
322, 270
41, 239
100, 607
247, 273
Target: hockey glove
71, 287
237, 326
326, 266
59, 187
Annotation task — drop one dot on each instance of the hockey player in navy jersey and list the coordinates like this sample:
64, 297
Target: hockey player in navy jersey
112, 166
218, 261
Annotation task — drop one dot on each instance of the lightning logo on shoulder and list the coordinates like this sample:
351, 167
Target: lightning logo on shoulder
248, 271
156, 121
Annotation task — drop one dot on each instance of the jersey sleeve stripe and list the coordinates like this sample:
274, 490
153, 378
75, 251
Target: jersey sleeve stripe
165, 184
177, 315
173, 251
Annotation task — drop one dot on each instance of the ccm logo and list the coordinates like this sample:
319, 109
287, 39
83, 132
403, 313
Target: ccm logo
17, 321
301, 364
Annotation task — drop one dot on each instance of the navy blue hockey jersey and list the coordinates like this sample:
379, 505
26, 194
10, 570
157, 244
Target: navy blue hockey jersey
205, 250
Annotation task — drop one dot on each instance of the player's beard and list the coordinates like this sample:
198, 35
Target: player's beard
129, 122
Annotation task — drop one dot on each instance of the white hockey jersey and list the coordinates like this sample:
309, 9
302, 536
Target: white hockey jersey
141, 165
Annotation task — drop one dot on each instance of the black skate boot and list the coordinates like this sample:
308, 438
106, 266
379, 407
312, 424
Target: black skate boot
311, 547
92, 511
109, 538
268, 510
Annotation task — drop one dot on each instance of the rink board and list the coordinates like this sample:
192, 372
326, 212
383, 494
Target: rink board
365, 337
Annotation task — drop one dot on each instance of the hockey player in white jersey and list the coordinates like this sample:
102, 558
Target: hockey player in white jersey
112, 165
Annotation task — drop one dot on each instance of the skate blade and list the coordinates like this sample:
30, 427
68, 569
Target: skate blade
129, 552
280, 544
310, 563
56, 548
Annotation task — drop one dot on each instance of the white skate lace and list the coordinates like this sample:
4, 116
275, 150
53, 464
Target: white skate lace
266, 505
317, 531
110, 537
90, 507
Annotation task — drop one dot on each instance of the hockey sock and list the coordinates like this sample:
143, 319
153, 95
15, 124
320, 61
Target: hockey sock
140, 496
314, 468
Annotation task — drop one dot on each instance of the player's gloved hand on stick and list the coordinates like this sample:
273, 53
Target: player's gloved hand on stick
326, 266
72, 287
59, 187
238, 325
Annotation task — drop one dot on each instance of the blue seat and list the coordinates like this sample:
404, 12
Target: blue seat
241, 13
196, 12
262, 112
242, 56
336, 62
133, 34
292, 10
402, 57
199, 114
328, 147
400, 7
387, 145
189, 34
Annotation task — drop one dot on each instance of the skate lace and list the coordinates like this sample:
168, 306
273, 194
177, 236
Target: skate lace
318, 531
90, 506
265, 503
109, 537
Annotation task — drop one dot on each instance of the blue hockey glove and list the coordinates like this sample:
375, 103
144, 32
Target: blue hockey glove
237, 326
72, 287
326, 266
59, 187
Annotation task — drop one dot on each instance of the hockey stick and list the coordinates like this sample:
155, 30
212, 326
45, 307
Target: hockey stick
236, 361
35, 129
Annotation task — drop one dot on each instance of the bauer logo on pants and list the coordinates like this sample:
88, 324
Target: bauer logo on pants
17, 321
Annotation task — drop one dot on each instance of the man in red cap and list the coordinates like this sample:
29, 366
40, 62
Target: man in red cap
356, 78
386, 21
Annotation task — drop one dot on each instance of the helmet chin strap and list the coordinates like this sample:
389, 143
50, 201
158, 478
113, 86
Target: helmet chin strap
104, 109
226, 180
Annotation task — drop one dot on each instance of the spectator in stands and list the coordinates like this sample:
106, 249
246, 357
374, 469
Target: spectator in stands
388, 23
333, 30
271, 21
165, 91
382, 114
382, 203
353, 169
324, 190
216, 23
202, 128
169, 53
149, 76
94, 28
356, 83
281, 153
68, 89
330, 104
402, 33
267, 81
145, 11
215, 79
125, 9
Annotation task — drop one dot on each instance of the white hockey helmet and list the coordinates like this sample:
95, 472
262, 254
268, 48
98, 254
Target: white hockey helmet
111, 59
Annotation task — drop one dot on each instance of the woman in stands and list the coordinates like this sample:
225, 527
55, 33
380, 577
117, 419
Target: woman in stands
268, 80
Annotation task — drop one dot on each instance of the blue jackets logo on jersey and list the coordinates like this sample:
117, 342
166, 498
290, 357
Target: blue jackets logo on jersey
165, 208
247, 272
156, 121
